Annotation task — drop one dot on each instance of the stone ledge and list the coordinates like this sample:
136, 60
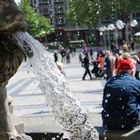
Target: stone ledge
118, 135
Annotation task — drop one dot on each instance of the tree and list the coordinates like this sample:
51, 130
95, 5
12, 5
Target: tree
121, 9
90, 11
84, 12
37, 25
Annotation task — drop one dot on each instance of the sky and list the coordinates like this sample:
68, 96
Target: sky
17, 1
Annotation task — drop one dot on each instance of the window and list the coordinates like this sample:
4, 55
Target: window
44, 10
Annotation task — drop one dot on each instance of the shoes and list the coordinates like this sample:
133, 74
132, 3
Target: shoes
83, 78
91, 78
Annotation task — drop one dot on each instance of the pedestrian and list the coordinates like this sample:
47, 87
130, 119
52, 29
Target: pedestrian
67, 56
109, 65
117, 60
84, 46
63, 54
125, 48
74, 50
121, 99
100, 61
81, 58
91, 53
132, 45
137, 72
60, 67
114, 48
86, 66
55, 56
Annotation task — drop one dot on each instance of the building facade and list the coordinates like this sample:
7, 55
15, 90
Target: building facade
54, 11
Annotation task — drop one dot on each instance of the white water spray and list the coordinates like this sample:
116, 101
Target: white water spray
66, 108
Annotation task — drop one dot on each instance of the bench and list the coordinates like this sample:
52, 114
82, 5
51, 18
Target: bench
118, 135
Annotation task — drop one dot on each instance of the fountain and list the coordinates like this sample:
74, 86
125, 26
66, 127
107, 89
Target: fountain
16, 44
66, 108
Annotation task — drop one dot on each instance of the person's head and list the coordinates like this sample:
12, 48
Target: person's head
125, 48
98, 55
107, 53
136, 57
125, 65
126, 55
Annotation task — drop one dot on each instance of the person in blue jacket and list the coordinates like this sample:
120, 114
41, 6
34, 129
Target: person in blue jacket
121, 99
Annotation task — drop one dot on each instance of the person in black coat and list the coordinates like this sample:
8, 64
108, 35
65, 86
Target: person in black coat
86, 66
55, 56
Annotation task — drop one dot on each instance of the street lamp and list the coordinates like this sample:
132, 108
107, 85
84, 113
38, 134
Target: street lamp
120, 24
102, 34
133, 23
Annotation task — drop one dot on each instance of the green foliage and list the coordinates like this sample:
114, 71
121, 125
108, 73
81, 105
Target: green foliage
121, 9
90, 11
37, 25
81, 12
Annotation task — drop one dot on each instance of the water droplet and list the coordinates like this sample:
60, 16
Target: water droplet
107, 115
106, 101
124, 88
108, 95
123, 107
122, 126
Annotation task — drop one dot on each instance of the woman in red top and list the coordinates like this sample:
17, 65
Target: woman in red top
99, 59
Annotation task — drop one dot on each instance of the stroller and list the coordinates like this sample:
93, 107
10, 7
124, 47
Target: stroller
97, 71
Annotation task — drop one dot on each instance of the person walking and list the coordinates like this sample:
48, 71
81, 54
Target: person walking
132, 45
121, 99
63, 54
55, 56
137, 58
86, 66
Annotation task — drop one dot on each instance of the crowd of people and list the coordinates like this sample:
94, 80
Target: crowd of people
65, 53
121, 95
107, 61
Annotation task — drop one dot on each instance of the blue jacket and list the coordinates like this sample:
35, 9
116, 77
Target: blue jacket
121, 99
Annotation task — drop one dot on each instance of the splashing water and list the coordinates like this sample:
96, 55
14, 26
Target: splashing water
66, 108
